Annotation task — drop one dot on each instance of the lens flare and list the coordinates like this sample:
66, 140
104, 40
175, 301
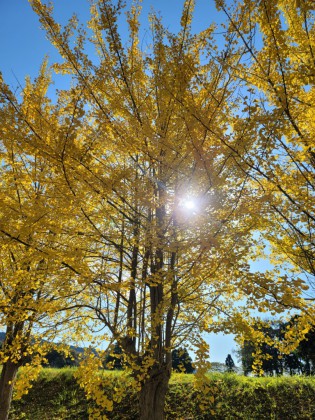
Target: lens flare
189, 204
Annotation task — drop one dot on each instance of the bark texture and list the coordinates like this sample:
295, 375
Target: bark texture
8, 375
152, 395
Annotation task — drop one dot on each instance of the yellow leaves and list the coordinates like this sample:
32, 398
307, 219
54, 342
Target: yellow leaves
91, 377
205, 390
27, 374
91, 185
187, 14
91, 380
133, 21
34, 227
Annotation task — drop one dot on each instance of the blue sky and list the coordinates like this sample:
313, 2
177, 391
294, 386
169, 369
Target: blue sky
23, 45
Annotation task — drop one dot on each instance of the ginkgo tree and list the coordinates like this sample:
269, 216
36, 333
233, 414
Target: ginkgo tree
277, 119
168, 208
272, 131
133, 197
39, 274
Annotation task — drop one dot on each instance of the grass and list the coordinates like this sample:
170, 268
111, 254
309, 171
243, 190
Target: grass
57, 396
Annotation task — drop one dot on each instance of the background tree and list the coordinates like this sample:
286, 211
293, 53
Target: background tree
245, 355
113, 359
306, 352
272, 360
300, 361
229, 363
58, 359
181, 361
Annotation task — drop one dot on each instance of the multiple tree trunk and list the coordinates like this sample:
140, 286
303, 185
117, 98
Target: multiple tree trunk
153, 392
147, 132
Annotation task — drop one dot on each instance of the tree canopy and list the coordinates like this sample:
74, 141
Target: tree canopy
139, 196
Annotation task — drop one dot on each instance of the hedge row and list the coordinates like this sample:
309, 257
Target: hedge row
57, 396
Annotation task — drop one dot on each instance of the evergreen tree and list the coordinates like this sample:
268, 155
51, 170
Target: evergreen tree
181, 361
113, 359
229, 363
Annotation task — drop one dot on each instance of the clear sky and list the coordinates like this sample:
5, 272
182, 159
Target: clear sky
23, 45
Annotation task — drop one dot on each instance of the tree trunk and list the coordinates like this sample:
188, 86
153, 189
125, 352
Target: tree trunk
152, 395
8, 375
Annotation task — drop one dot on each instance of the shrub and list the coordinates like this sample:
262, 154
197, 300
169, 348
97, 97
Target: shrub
56, 395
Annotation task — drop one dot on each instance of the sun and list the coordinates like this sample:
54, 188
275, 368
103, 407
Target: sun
189, 204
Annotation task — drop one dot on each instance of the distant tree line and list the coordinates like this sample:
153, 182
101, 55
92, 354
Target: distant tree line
181, 361
114, 360
58, 359
301, 361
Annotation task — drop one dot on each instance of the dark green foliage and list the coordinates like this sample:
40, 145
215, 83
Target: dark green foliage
293, 364
273, 365
245, 354
57, 359
181, 361
114, 358
301, 361
306, 352
229, 363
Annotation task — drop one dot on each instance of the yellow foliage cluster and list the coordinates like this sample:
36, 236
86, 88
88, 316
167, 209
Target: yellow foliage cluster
135, 201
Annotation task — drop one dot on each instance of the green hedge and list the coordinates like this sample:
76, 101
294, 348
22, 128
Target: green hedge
56, 396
